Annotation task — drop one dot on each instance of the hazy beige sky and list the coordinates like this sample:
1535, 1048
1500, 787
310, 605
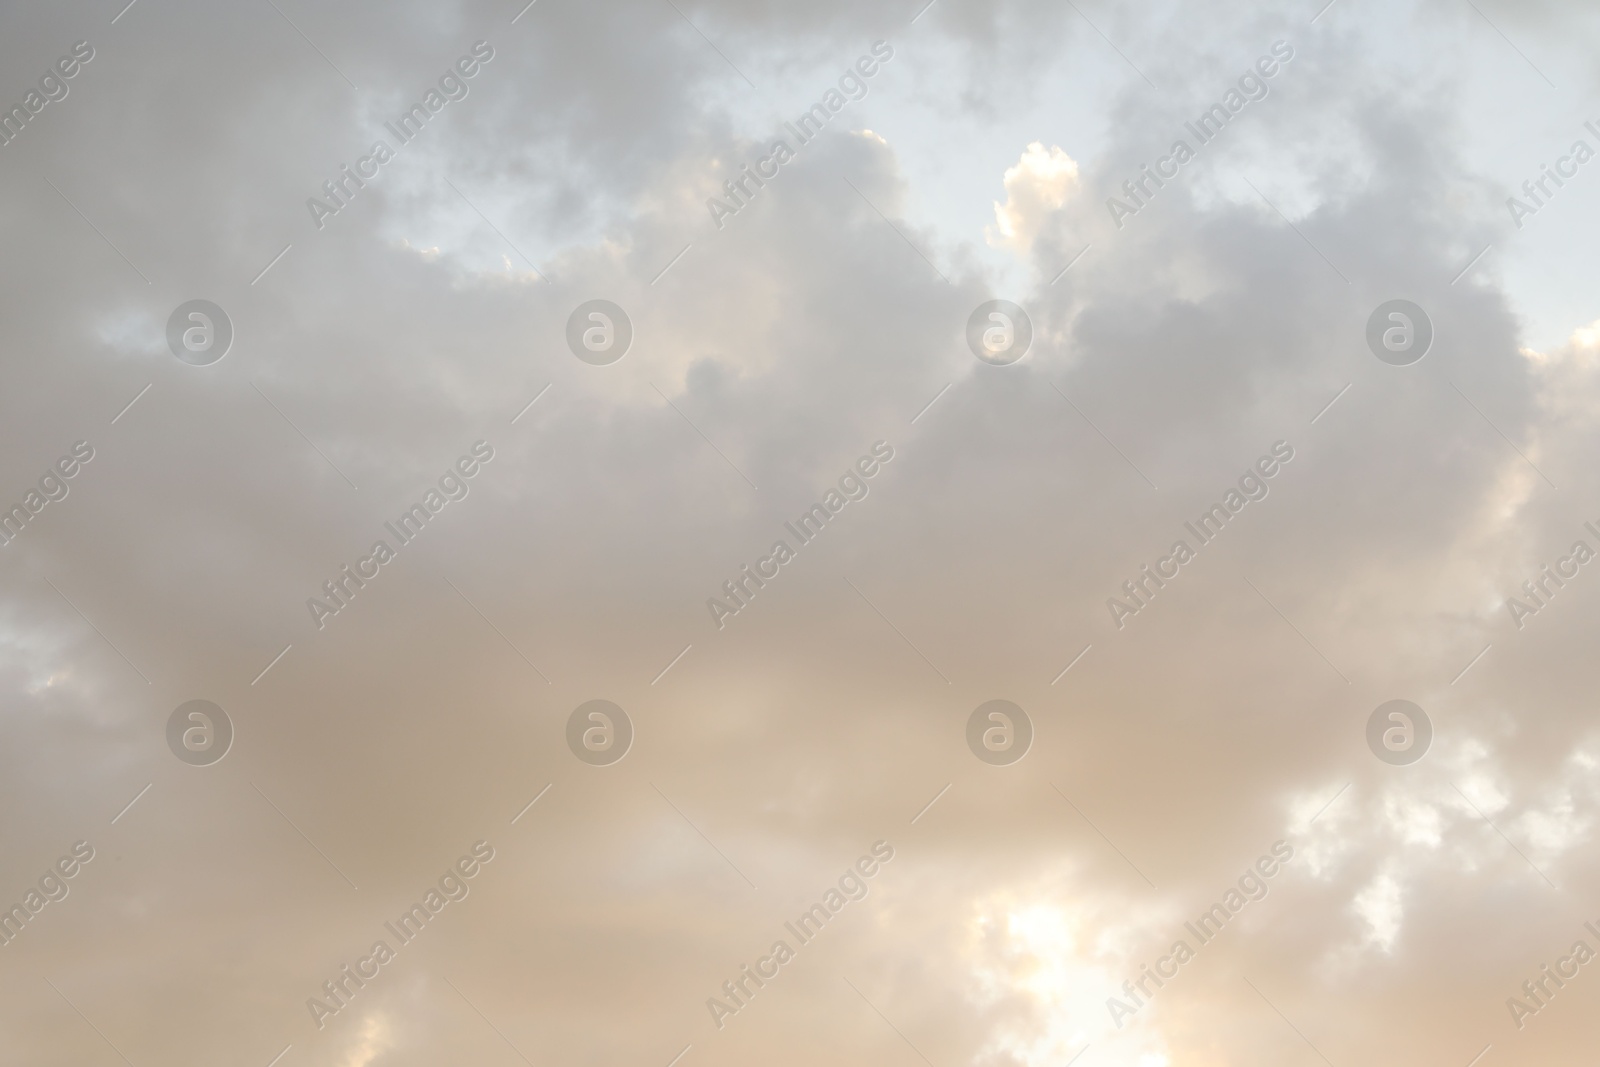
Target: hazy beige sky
692, 534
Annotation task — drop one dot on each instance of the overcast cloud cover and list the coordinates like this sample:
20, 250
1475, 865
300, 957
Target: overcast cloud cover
1195, 743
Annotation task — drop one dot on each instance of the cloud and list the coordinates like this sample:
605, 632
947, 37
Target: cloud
1039, 183
372, 1040
828, 315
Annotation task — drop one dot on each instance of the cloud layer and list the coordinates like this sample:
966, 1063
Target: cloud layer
427, 320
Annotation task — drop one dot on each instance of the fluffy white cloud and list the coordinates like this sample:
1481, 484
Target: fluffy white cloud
1039, 183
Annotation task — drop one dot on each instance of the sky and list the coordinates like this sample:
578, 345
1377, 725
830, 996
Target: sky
490, 590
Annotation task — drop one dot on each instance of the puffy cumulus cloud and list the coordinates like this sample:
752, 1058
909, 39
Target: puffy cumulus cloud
1039, 183
1569, 381
1042, 958
1381, 907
